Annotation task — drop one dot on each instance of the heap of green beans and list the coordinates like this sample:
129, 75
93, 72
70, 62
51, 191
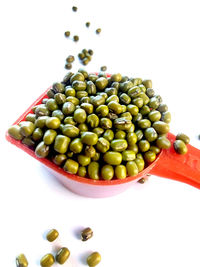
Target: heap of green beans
96, 126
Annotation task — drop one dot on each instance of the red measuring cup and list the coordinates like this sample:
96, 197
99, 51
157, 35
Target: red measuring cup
168, 164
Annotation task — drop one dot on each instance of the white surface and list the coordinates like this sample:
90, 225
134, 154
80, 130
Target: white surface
156, 224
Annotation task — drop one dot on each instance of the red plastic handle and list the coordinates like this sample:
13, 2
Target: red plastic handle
182, 168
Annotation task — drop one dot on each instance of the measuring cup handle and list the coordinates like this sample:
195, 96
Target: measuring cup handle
182, 168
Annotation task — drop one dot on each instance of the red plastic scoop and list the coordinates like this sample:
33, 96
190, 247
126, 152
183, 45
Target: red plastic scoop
168, 164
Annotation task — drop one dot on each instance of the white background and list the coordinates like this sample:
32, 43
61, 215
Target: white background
156, 224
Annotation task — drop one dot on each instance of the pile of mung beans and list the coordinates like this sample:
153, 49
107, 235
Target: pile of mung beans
96, 126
